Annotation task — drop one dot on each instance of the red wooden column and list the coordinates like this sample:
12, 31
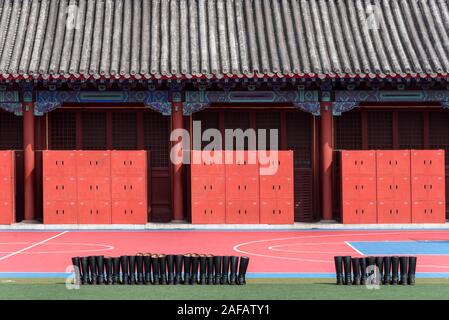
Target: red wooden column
177, 123
326, 160
28, 148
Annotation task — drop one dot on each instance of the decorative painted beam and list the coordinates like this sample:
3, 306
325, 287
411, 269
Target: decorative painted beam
198, 100
10, 101
47, 101
348, 100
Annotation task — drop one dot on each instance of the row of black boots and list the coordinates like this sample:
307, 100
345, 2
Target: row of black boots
145, 268
384, 269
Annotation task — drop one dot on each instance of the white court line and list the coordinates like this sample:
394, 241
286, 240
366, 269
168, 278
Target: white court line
32, 246
353, 248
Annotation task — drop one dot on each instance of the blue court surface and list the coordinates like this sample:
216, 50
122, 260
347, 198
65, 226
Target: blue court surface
401, 247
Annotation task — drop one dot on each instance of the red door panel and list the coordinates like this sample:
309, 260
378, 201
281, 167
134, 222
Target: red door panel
402, 188
350, 187
129, 212
200, 186
394, 212
428, 212
208, 212
277, 212
268, 187
436, 188
59, 163
350, 212
119, 163
216, 188
359, 212
242, 212
129, 163
275, 162
427, 162
349, 163
6, 163
420, 188
367, 188
367, 162
393, 162
60, 212
119, 188
205, 163
268, 211
368, 212
6, 188
6, 212
103, 188
60, 188
242, 188
94, 163
241, 163
385, 187
94, 212
285, 187
136, 188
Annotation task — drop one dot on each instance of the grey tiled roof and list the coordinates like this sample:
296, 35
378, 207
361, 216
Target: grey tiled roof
220, 38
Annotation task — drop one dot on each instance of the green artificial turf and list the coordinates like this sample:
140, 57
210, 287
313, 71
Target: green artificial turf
261, 289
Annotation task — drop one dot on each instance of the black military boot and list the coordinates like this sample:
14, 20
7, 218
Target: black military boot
155, 268
338, 260
362, 262
379, 265
139, 266
217, 269
108, 267
186, 261
132, 270
170, 268
147, 268
347, 270
85, 279
195, 260
115, 270
202, 279
244, 261
234, 266
162, 269
77, 269
355, 271
394, 270
404, 272
225, 270
210, 269
411, 270
178, 269
124, 267
100, 269
93, 270
387, 271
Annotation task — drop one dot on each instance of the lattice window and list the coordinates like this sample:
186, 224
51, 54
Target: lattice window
94, 130
411, 130
380, 130
299, 138
209, 120
268, 120
63, 130
124, 130
439, 132
11, 133
156, 138
348, 133
236, 120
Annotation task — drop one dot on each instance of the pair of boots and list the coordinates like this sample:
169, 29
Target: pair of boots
91, 269
384, 269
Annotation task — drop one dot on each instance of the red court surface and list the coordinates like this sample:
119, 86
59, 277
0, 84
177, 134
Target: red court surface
303, 253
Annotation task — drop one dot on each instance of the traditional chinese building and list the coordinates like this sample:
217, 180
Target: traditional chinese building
121, 74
